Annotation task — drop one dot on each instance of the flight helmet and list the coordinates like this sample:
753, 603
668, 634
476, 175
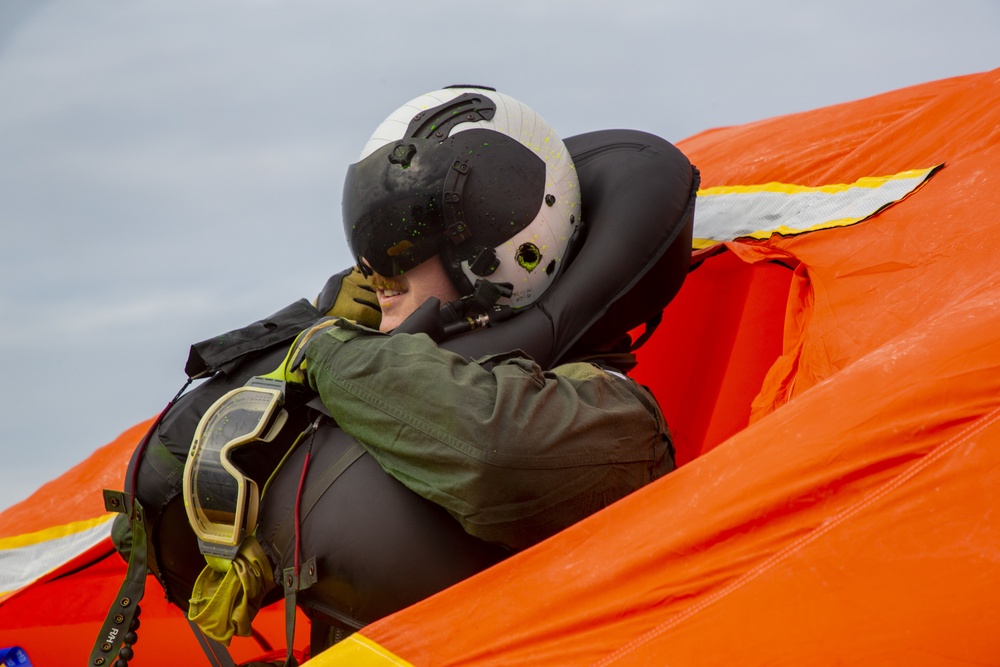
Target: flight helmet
473, 176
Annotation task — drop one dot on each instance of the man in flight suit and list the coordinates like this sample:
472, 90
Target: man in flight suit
459, 189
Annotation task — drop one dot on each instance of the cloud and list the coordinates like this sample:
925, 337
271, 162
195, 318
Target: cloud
173, 170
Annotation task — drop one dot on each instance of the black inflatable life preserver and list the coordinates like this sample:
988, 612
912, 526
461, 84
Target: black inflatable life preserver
378, 546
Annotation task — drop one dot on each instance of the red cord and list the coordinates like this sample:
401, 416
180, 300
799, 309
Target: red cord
298, 509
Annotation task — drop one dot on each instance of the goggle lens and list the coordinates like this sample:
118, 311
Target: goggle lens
215, 489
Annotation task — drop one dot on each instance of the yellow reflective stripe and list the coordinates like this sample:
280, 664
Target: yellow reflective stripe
357, 651
726, 213
790, 189
26, 558
52, 533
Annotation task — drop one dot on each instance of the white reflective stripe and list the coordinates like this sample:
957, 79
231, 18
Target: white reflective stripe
726, 213
26, 558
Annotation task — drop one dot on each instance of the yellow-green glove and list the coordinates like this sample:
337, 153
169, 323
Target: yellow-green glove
293, 369
353, 298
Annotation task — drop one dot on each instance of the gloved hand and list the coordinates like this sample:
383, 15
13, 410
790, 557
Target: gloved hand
349, 294
292, 370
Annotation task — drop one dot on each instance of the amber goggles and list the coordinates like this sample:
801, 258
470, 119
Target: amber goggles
220, 500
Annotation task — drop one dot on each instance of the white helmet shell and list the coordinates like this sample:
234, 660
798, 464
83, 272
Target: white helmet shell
531, 258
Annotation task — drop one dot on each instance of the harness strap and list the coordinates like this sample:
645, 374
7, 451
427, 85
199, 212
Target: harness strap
217, 654
648, 331
294, 583
118, 623
286, 531
301, 576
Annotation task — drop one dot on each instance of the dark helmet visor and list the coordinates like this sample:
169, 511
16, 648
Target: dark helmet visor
393, 205
403, 203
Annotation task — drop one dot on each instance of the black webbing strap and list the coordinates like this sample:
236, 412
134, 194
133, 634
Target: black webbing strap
118, 624
293, 584
217, 654
648, 331
125, 608
301, 576
286, 531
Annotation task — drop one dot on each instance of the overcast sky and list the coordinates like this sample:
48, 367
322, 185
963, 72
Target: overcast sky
172, 169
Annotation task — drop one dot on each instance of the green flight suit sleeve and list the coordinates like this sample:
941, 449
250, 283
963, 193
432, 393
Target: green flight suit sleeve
514, 453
